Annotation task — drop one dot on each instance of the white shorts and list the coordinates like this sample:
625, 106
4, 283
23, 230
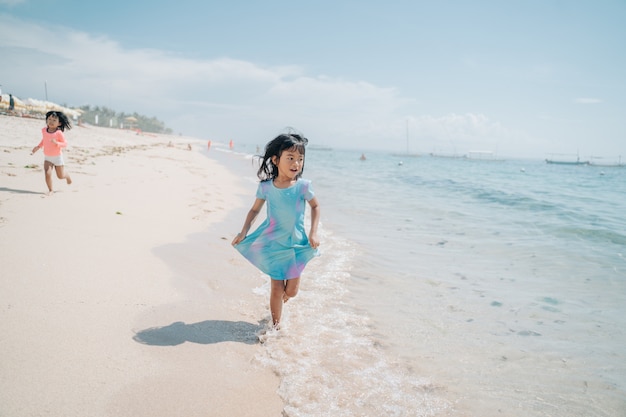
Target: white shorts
57, 161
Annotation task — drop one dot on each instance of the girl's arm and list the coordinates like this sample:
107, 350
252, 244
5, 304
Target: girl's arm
315, 220
59, 139
252, 214
36, 148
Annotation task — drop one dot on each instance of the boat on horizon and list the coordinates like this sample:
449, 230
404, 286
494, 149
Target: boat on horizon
319, 148
595, 163
565, 159
408, 152
558, 162
447, 155
482, 156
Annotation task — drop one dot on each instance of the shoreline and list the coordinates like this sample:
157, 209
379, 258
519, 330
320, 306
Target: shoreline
120, 294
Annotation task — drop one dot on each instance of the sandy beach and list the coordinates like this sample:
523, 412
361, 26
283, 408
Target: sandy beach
120, 294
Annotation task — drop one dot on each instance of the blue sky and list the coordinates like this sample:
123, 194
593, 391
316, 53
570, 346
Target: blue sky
520, 78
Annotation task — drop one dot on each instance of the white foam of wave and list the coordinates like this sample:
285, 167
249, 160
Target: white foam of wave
327, 354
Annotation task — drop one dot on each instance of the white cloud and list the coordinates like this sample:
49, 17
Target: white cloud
460, 133
220, 98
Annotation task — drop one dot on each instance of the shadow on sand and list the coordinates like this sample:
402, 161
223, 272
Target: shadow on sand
12, 190
204, 332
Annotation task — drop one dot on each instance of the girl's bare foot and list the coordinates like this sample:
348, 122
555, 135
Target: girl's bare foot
285, 297
266, 332
49, 193
68, 179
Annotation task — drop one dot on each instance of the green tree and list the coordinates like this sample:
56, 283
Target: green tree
109, 118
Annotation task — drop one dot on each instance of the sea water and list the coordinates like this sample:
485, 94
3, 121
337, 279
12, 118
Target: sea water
457, 287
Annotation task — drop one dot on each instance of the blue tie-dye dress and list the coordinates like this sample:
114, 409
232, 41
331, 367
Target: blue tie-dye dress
279, 246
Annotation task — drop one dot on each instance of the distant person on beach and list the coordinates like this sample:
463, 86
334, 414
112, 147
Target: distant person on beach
53, 141
11, 102
279, 247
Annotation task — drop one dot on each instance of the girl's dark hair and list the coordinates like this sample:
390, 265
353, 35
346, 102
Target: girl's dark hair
63, 120
275, 147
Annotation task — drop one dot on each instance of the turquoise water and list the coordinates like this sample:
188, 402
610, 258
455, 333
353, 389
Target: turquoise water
459, 287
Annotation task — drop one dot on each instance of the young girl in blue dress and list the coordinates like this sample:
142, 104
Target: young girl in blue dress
280, 247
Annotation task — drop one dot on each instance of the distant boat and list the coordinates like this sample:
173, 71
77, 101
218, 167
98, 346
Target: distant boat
596, 164
564, 161
619, 164
445, 155
482, 156
319, 148
557, 162
408, 153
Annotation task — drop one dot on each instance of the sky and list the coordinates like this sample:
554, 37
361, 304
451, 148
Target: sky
532, 78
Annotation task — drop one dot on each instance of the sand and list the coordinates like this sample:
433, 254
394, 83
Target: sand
120, 294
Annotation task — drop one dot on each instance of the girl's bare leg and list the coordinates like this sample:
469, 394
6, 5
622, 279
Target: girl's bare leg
291, 289
47, 169
276, 300
281, 292
62, 175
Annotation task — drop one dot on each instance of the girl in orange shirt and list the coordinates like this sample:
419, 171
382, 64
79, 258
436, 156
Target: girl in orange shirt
52, 142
